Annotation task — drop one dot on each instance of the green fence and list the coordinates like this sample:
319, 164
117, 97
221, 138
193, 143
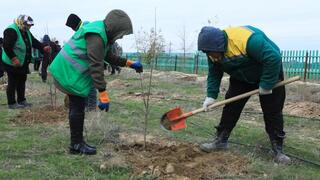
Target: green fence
306, 64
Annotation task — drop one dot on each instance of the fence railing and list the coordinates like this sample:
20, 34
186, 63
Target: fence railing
305, 63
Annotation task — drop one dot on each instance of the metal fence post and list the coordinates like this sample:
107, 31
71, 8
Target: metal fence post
305, 67
156, 62
175, 63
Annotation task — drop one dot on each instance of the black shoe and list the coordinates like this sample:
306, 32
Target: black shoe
82, 148
90, 146
25, 104
16, 106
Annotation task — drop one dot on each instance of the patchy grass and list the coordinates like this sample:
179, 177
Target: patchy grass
39, 150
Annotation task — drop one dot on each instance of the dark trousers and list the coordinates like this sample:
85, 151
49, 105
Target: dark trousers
91, 100
76, 118
16, 83
36, 65
271, 105
45, 63
114, 68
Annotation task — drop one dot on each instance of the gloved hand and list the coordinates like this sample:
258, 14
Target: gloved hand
103, 101
47, 49
264, 91
135, 65
15, 62
208, 101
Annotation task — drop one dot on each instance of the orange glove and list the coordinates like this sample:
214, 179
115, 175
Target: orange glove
104, 101
129, 63
15, 62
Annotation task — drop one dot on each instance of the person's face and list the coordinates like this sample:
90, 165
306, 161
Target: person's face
215, 56
28, 27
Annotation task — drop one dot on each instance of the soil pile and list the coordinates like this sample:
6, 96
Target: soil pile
168, 159
43, 115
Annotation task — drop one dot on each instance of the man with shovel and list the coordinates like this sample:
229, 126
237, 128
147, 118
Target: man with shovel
80, 64
253, 61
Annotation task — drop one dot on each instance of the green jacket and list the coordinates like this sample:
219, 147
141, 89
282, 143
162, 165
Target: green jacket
19, 47
70, 68
250, 57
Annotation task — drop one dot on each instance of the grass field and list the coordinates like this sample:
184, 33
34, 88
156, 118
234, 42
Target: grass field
39, 150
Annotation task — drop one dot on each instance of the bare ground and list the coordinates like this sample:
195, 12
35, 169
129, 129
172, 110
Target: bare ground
168, 159
42, 115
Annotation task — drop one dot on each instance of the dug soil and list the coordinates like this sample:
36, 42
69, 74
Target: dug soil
167, 159
42, 115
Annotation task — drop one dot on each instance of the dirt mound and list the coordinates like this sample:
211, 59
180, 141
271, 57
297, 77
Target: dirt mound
176, 75
181, 161
43, 115
303, 109
168, 159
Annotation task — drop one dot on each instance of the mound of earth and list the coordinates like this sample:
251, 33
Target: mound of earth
303, 109
176, 75
43, 115
172, 160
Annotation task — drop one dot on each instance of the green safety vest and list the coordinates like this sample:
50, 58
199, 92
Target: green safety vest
19, 47
70, 68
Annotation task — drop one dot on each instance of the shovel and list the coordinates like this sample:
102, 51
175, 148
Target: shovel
175, 119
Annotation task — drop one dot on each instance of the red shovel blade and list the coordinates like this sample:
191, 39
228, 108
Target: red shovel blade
169, 122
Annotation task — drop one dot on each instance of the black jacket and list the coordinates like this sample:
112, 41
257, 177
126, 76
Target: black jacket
9, 39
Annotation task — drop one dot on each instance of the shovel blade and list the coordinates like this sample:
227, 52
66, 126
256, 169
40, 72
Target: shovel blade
169, 122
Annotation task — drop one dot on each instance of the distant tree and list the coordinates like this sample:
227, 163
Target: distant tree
149, 44
185, 44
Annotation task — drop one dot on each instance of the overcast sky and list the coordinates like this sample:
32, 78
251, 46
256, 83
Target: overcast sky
292, 24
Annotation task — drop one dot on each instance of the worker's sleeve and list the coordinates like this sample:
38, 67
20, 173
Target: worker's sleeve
9, 39
95, 51
214, 79
268, 54
115, 60
37, 44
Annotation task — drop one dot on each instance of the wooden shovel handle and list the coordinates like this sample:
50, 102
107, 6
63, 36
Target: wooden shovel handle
241, 96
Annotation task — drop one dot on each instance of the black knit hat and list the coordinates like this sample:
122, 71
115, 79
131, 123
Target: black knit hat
211, 39
73, 21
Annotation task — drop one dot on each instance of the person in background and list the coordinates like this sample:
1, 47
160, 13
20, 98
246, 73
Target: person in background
79, 64
48, 56
37, 59
253, 61
117, 50
58, 48
16, 57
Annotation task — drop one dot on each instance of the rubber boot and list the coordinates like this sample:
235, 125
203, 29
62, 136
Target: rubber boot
279, 156
219, 143
78, 145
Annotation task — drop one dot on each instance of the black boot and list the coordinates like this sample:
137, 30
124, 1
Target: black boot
78, 145
277, 148
219, 143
